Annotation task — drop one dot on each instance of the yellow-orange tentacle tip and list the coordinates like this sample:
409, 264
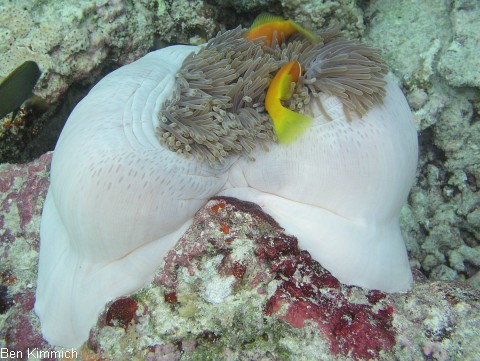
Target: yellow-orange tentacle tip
288, 125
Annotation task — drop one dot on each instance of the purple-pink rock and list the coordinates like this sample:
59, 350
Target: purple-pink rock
23, 189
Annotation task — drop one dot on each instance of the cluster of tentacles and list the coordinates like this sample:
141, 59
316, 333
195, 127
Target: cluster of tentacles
217, 108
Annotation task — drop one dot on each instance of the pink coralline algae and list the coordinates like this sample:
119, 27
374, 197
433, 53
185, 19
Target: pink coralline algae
360, 330
200, 238
21, 188
309, 292
20, 335
121, 312
22, 192
169, 352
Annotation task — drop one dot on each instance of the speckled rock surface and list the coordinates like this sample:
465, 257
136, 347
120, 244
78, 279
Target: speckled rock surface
235, 287
459, 64
22, 192
76, 43
70, 43
341, 14
432, 49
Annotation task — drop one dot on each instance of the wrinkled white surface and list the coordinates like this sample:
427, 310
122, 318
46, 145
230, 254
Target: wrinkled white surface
340, 188
118, 201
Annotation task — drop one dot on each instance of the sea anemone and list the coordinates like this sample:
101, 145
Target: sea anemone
217, 106
154, 140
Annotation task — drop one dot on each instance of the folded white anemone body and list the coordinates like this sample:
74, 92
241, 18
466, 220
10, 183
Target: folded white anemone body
118, 200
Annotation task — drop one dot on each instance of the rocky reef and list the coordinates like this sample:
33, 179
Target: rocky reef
241, 288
